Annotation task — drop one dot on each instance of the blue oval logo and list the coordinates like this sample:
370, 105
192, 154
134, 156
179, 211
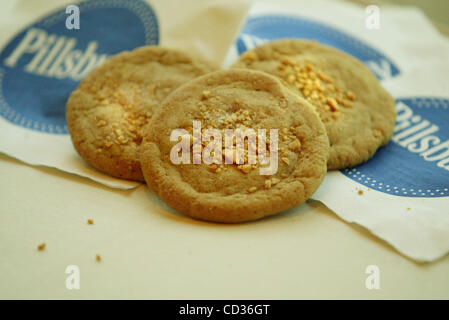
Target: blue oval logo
45, 62
415, 163
265, 28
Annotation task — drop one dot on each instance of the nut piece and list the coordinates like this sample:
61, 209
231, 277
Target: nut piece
267, 184
212, 168
252, 189
295, 145
333, 104
205, 95
245, 168
101, 123
314, 85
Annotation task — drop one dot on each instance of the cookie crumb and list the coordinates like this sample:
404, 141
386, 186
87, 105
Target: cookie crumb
360, 192
98, 258
41, 247
90, 221
408, 209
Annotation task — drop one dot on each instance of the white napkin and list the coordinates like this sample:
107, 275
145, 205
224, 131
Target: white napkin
42, 61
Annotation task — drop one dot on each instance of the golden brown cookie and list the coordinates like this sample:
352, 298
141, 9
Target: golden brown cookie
220, 192
105, 114
357, 112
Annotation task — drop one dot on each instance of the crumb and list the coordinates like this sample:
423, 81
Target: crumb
360, 192
408, 209
41, 247
90, 221
98, 258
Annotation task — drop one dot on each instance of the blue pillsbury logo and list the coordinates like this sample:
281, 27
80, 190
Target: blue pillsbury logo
416, 161
45, 62
265, 28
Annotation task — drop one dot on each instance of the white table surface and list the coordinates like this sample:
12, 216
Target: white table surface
149, 251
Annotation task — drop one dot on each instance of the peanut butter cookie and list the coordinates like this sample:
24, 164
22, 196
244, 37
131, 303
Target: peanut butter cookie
105, 114
358, 114
193, 158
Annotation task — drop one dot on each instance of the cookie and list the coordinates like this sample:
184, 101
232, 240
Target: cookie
358, 114
235, 184
105, 114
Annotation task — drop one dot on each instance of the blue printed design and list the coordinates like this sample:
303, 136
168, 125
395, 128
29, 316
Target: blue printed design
416, 162
45, 62
260, 29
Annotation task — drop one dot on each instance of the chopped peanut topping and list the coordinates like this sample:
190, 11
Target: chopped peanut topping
236, 116
212, 168
126, 128
267, 184
271, 182
333, 104
314, 85
350, 95
205, 95
101, 123
245, 168
250, 56
295, 145
151, 88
